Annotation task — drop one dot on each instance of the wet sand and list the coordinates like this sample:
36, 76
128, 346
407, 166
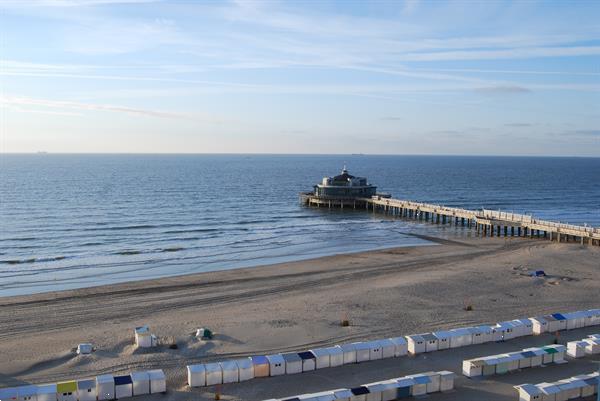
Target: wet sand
299, 305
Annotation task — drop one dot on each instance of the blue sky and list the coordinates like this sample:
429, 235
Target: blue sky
402, 77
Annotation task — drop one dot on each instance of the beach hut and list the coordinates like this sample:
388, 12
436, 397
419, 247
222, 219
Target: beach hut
416, 344
123, 387
588, 386
556, 322
443, 339
592, 346
9, 394
431, 342
105, 386
404, 387
538, 359
375, 350
575, 320
363, 351
570, 388
472, 367
526, 326
434, 385
489, 365
592, 317
388, 348
481, 334
231, 372
84, 349
293, 363
504, 331
245, 369
525, 361
359, 393
400, 345
549, 391
556, 351
196, 375
446, 380
158, 381
47, 392
513, 360
342, 394
576, 349
143, 337
309, 361
382, 391
27, 393
420, 384
322, 358
529, 392
460, 338
214, 373
260, 365
336, 356
349, 351
140, 383
539, 325
276, 365
66, 391
86, 390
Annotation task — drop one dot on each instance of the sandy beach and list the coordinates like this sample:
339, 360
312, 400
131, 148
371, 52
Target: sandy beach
299, 305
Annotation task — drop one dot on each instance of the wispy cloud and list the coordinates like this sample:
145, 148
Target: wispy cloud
502, 90
518, 125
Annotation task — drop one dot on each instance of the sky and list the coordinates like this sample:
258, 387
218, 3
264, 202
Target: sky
328, 77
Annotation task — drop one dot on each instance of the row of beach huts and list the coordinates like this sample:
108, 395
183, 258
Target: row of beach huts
387, 390
567, 389
242, 369
102, 387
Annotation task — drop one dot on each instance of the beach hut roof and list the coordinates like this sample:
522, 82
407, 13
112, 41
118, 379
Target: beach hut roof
196, 368
320, 352
360, 390
259, 360
212, 367
405, 382
475, 330
140, 376
142, 329
66, 387
460, 332
382, 386
362, 345
229, 365
26, 391
422, 379
447, 373
429, 337
529, 389
559, 316
244, 363
442, 334
291, 357
592, 381
46, 389
398, 340
336, 350
416, 337
104, 379
548, 388
540, 319
342, 393
528, 354
122, 380
386, 342
156, 374
306, 355
348, 347
86, 384
275, 358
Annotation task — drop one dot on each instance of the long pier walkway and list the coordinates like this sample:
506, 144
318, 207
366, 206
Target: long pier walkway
485, 222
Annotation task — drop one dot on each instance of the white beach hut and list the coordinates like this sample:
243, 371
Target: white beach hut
359, 393
592, 346
141, 383
214, 373
431, 342
416, 344
86, 390
434, 385
382, 391
336, 356
375, 350
588, 386
443, 337
446, 380
196, 375
260, 366
539, 325
460, 338
401, 346
504, 331
309, 361
10, 394
556, 322
143, 337
472, 367
537, 359
123, 387
293, 363
569, 388
84, 349
349, 351
388, 348
158, 381
576, 349
105, 387
363, 351
526, 326
489, 365
559, 355
575, 320
322, 358
276, 365
27, 393
245, 369
481, 334
592, 317
47, 392
529, 392
231, 372
342, 394
514, 359
405, 385
420, 384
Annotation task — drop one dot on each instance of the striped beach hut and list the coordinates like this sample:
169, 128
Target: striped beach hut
260, 364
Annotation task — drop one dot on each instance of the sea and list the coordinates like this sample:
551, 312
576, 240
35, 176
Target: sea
71, 221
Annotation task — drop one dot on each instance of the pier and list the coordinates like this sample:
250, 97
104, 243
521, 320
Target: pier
485, 222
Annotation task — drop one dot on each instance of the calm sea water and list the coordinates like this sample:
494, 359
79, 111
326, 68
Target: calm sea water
69, 221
